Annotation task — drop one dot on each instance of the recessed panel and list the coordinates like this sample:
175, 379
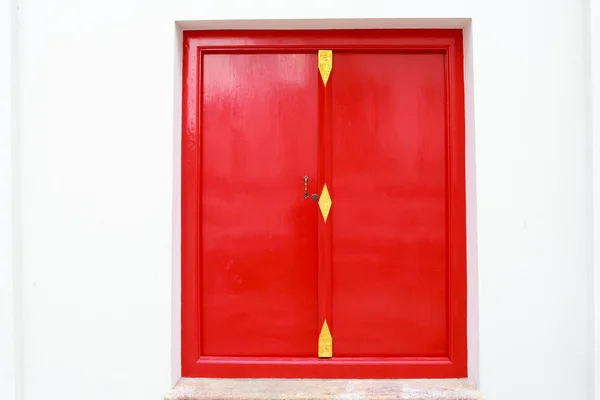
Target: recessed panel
389, 216
258, 242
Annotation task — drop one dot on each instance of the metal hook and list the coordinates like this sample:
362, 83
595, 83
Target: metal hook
306, 187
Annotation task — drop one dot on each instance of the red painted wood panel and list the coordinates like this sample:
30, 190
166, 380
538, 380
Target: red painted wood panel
227, 135
390, 219
258, 292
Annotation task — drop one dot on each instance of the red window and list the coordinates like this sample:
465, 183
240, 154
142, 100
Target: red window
323, 204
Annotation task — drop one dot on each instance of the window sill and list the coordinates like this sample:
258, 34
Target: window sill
323, 389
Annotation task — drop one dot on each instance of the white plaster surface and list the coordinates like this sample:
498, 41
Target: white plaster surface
97, 167
10, 339
593, 26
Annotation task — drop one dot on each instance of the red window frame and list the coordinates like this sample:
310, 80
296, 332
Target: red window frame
196, 43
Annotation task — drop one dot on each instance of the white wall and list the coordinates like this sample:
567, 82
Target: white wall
594, 121
95, 171
7, 377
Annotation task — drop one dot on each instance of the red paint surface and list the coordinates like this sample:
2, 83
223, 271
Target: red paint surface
389, 219
260, 269
258, 292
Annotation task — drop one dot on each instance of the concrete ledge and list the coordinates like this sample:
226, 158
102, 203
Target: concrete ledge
322, 389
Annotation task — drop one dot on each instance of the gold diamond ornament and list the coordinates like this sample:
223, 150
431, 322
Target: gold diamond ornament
325, 203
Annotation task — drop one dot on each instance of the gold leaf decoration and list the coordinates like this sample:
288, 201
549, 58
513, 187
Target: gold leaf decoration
325, 64
325, 203
325, 342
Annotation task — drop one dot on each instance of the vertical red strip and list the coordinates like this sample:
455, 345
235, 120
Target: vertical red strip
198, 201
190, 206
458, 353
324, 230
